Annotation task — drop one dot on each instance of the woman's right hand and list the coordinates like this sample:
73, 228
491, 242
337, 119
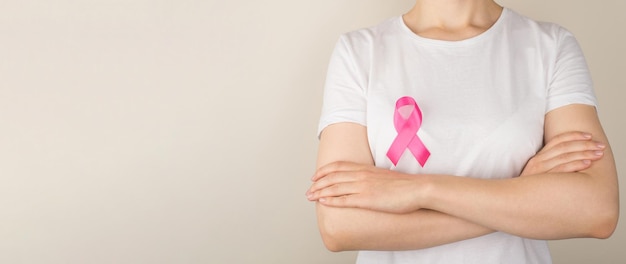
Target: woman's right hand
567, 152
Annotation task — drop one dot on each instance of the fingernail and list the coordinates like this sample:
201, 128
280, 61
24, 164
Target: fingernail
602, 146
587, 162
586, 135
599, 153
313, 177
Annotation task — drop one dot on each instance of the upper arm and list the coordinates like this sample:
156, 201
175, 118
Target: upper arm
570, 108
344, 142
579, 117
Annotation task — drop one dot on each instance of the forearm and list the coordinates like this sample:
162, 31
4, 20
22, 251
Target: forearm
582, 203
545, 206
345, 229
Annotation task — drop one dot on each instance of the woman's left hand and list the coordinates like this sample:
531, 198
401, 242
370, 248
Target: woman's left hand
348, 184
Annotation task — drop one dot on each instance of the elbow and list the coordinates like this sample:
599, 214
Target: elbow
332, 236
605, 226
603, 212
332, 243
605, 222
333, 232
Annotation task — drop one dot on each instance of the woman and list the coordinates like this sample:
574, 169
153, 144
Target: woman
461, 88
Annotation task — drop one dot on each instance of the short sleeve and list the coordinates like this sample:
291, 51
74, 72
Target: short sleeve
570, 82
344, 91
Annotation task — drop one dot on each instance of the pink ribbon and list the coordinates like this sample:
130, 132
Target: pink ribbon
407, 128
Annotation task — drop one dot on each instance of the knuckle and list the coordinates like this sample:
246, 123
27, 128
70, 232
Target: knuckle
322, 193
561, 137
338, 164
578, 145
593, 154
563, 158
590, 145
341, 200
328, 191
560, 168
561, 147
573, 166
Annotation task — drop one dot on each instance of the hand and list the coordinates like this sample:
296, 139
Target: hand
567, 152
348, 184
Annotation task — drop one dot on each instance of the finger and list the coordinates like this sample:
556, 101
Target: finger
335, 167
541, 164
567, 136
346, 201
337, 190
333, 179
573, 166
570, 147
341, 201
566, 158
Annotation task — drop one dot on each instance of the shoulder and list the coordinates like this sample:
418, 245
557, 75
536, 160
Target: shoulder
366, 38
356, 48
547, 33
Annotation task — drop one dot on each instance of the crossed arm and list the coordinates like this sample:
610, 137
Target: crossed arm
567, 190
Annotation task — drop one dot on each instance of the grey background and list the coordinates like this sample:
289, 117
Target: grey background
137, 131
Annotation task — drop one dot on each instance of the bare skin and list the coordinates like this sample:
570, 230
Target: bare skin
352, 195
452, 19
569, 189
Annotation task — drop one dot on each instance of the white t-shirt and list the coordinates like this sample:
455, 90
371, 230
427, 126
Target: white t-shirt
483, 102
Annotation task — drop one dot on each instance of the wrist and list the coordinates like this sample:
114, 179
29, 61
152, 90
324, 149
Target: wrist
425, 190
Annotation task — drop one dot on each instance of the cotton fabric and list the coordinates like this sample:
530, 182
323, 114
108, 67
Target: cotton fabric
483, 102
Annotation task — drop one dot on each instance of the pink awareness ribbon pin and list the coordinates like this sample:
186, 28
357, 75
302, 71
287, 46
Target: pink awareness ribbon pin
407, 128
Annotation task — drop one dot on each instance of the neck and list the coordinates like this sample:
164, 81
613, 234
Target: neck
452, 19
